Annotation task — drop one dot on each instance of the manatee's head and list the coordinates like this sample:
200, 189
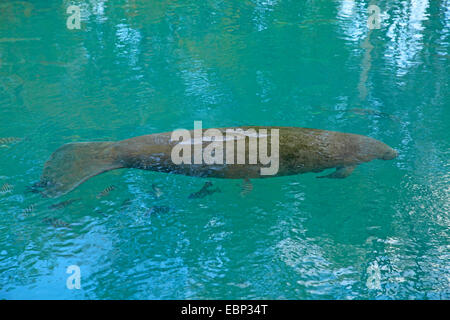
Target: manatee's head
374, 149
389, 154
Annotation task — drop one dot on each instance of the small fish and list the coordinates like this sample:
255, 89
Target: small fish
31, 189
371, 112
4, 142
55, 222
156, 191
54, 63
241, 285
158, 210
204, 191
63, 204
18, 39
6, 188
98, 211
28, 210
319, 21
34, 188
246, 187
126, 203
106, 191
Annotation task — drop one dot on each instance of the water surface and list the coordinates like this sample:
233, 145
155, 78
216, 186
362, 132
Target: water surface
138, 67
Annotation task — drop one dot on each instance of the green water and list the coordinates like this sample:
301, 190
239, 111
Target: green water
140, 67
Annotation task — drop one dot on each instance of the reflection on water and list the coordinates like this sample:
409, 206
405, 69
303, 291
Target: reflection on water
405, 34
137, 67
263, 8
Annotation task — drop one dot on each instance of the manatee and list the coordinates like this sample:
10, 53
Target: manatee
301, 150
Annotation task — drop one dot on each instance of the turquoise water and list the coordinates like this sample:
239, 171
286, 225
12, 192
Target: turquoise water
141, 67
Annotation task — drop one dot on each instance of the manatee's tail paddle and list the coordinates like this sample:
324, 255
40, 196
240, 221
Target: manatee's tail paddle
74, 163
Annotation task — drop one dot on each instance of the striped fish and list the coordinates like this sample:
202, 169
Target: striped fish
106, 191
34, 188
156, 191
9, 140
246, 187
158, 210
29, 209
63, 204
204, 191
6, 188
55, 222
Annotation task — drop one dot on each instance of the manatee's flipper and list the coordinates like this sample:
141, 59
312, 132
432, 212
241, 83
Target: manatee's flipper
246, 187
74, 163
340, 173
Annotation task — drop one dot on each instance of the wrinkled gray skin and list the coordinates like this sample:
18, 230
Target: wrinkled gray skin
301, 150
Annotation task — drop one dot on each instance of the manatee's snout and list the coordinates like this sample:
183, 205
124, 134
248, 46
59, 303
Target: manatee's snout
390, 154
375, 149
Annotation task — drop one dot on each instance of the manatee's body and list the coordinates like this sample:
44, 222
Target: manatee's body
301, 150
